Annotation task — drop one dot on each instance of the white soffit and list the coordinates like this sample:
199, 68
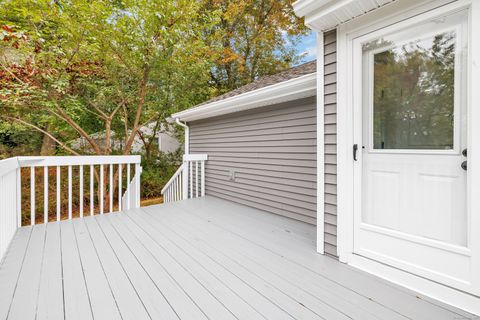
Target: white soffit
289, 90
322, 15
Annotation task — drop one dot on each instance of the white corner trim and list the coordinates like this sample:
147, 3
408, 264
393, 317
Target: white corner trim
344, 143
289, 90
320, 146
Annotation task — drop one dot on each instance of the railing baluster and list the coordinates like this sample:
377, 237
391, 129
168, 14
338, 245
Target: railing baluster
32, 195
179, 188
92, 195
58, 193
203, 178
120, 187
110, 188
128, 186
69, 192
176, 189
196, 179
80, 176
45, 194
101, 188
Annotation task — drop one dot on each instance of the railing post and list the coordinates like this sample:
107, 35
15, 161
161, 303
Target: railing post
19, 197
138, 172
202, 177
185, 180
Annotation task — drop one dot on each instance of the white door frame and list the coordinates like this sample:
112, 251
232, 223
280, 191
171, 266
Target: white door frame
379, 19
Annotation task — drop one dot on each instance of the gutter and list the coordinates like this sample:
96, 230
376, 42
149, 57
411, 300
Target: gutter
289, 90
187, 134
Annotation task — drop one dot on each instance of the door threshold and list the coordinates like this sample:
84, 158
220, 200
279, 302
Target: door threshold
443, 294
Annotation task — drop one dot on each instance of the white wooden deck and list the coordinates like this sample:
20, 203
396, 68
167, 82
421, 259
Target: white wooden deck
197, 259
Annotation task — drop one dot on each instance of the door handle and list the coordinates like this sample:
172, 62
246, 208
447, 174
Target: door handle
464, 163
355, 149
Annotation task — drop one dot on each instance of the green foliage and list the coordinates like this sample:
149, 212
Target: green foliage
18, 140
157, 171
251, 38
73, 68
414, 94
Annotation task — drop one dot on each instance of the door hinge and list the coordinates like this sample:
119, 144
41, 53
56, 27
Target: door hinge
355, 149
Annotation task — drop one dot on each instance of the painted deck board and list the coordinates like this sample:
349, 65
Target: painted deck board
50, 300
204, 258
102, 300
76, 296
148, 285
29, 280
127, 297
274, 267
282, 244
10, 269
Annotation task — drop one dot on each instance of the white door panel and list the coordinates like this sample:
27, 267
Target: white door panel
423, 197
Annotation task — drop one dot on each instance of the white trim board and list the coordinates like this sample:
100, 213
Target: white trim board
320, 146
322, 15
289, 90
379, 19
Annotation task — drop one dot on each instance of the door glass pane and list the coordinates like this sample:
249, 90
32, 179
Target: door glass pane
413, 92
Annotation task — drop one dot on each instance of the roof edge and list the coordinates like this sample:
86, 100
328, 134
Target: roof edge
289, 90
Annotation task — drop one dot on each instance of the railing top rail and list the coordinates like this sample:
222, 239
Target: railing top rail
76, 160
195, 157
8, 165
179, 170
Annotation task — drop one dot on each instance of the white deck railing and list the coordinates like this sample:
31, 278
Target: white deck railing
9, 202
188, 181
107, 171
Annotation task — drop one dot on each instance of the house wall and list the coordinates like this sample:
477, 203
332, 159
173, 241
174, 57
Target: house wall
330, 112
264, 158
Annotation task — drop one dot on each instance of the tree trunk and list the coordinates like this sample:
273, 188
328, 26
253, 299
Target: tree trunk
48, 146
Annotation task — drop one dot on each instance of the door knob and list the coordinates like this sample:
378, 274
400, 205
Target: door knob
464, 152
464, 165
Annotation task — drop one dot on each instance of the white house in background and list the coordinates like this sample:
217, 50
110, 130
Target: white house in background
166, 140
385, 161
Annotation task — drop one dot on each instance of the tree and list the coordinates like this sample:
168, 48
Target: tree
252, 38
73, 68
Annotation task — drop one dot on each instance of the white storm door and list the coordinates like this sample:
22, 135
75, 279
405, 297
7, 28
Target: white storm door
413, 155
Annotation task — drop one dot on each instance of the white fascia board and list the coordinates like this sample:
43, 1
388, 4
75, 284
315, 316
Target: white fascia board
289, 90
322, 15
304, 7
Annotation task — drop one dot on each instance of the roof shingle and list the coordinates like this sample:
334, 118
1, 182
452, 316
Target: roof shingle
295, 72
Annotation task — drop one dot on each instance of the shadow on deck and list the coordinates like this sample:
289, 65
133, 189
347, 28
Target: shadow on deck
203, 258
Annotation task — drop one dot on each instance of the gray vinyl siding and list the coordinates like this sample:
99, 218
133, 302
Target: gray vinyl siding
330, 114
272, 152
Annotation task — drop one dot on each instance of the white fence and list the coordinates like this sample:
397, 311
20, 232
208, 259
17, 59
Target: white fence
107, 171
188, 181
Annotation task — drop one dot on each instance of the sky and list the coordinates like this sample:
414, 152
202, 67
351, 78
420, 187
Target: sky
308, 46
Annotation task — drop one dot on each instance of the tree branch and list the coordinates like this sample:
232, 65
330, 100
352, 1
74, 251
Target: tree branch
64, 116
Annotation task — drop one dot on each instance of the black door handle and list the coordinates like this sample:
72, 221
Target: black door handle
464, 165
464, 152
355, 149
